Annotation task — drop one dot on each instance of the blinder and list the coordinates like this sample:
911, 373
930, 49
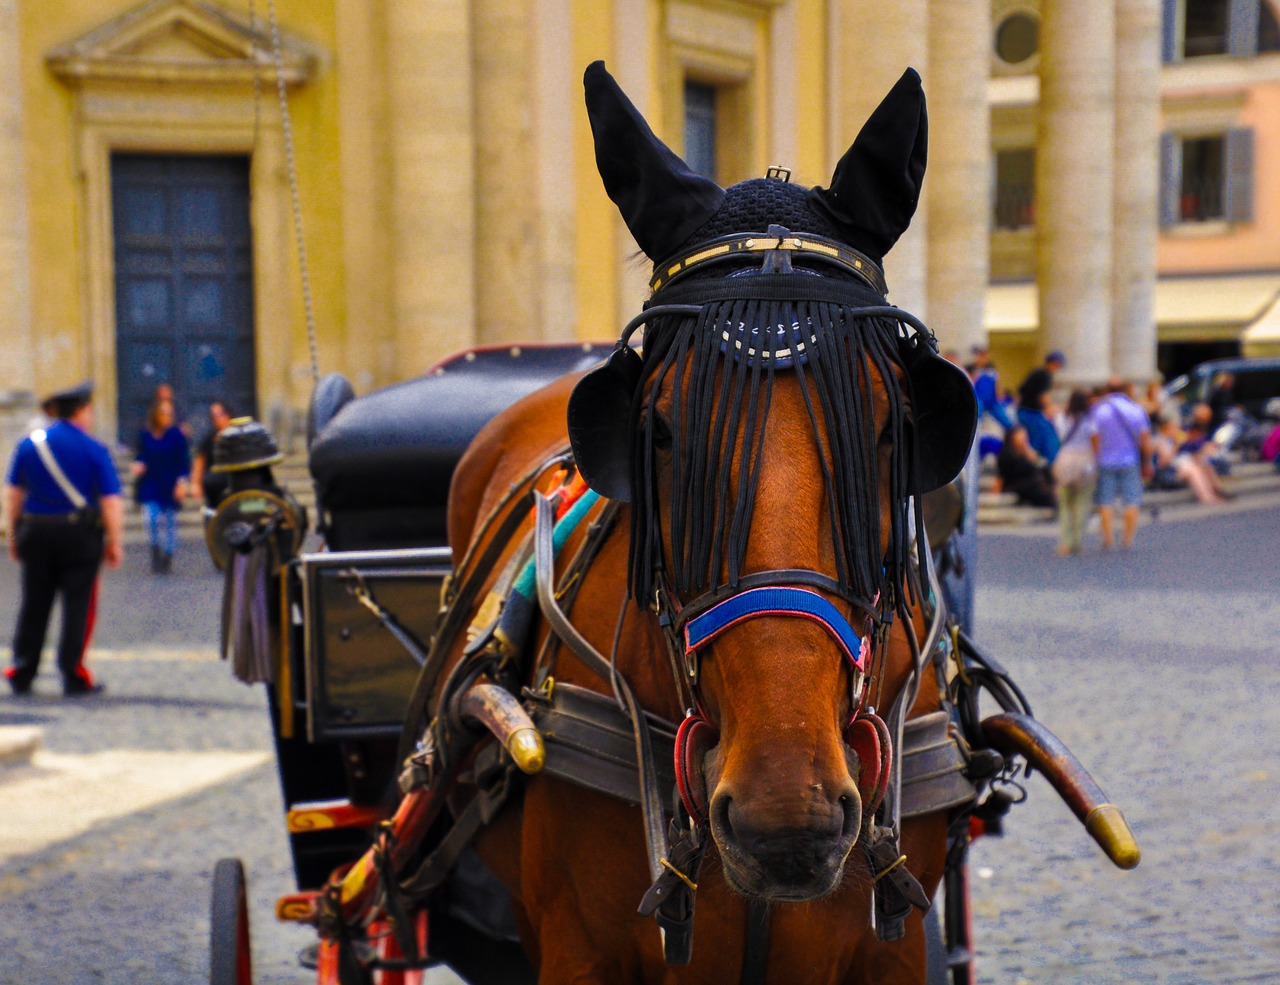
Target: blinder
602, 411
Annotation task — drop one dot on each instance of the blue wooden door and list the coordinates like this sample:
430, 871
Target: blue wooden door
184, 288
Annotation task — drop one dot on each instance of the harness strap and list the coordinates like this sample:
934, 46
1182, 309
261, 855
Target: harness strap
651, 800
755, 954
777, 601
493, 782
571, 581
519, 499
776, 577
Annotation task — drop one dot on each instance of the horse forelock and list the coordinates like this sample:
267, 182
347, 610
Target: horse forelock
717, 398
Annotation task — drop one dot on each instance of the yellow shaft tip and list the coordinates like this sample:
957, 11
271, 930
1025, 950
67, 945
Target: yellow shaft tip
1107, 826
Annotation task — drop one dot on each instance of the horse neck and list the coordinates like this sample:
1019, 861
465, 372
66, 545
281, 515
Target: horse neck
641, 657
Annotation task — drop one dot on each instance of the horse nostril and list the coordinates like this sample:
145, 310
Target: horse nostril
720, 817
851, 805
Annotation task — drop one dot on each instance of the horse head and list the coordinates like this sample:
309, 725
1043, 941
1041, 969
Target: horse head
770, 438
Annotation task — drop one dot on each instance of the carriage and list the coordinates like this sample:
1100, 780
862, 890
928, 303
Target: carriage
602, 632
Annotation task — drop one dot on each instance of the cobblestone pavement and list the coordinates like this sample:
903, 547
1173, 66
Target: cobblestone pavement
1157, 666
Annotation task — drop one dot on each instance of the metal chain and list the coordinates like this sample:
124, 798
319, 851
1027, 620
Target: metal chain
287, 125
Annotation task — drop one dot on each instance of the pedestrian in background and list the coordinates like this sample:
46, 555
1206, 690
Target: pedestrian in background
1075, 472
162, 466
1221, 401
1023, 472
1176, 467
164, 392
66, 516
1035, 408
212, 485
986, 387
1123, 448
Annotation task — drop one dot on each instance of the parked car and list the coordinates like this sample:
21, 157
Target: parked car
1256, 381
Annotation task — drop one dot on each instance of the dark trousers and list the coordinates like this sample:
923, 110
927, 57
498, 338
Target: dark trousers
57, 559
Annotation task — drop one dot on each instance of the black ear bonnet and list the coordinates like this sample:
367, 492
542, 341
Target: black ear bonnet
737, 299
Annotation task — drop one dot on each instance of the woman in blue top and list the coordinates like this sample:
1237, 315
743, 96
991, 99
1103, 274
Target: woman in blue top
163, 464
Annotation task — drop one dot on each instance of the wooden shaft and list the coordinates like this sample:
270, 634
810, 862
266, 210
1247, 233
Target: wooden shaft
497, 709
1012, 733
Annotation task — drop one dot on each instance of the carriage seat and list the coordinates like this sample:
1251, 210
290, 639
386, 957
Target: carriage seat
382, 463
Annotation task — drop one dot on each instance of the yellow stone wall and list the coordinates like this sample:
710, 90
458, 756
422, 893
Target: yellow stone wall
71, 124
448, 186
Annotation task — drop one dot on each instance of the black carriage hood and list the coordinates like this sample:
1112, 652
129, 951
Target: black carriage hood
398, 447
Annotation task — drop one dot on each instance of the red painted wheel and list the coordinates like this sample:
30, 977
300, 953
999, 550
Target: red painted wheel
230, 962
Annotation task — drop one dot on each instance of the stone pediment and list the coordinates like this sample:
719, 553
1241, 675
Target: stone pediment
181, 40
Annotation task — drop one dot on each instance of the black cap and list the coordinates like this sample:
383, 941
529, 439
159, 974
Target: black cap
65, 402
244, 444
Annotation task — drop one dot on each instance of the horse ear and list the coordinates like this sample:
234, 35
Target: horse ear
876, 186
660, 199
944, 415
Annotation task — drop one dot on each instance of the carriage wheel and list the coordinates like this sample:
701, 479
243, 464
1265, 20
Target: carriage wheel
229, 958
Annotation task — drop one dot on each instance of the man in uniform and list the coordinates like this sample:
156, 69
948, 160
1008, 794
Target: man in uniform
66, 515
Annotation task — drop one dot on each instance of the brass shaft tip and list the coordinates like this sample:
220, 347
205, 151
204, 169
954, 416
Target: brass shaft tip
527, 749
1106, 824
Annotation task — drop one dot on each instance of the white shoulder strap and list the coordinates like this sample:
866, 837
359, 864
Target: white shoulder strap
40, 439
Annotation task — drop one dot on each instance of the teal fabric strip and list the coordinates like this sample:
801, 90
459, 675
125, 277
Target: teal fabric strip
564, 527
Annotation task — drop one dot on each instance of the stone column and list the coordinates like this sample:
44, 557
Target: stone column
507, 246
557, 101
632, 54
369, 344
870, 46
1075, 163
17, 368
432, 144
956, 188
1137, 189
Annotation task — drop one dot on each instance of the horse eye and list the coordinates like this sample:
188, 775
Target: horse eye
661, 432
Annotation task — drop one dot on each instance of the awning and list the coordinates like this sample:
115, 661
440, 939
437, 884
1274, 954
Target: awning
1187, 308
1265, 330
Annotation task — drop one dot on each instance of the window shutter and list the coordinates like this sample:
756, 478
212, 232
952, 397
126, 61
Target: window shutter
1169, 30
1170, 179
1242, 28
1239, 177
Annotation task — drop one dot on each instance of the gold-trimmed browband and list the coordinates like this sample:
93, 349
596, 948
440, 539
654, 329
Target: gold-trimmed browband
728, 246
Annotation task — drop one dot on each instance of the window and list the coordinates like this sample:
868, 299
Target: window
1018, 37
1015, 188
700, 127
1200, 194
1206, 178
1205, 32
1268, 27
1200, 28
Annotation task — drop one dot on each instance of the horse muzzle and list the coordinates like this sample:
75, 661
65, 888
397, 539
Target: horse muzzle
789, 846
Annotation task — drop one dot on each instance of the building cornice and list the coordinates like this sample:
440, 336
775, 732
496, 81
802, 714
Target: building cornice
180, 41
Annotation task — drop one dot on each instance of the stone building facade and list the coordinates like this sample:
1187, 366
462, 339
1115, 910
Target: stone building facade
446, 189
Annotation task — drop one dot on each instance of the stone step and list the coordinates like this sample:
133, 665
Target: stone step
18, 743
1247, 479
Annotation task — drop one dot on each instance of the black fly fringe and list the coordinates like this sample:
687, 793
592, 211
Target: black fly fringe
720, 367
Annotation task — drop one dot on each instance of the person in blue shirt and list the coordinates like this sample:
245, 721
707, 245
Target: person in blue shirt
986, 387
65, 519
1035, 407
162, 466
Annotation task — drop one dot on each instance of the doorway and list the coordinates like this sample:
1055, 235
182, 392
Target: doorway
184, 285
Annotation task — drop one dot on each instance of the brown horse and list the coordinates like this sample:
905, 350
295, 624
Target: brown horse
758, 582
